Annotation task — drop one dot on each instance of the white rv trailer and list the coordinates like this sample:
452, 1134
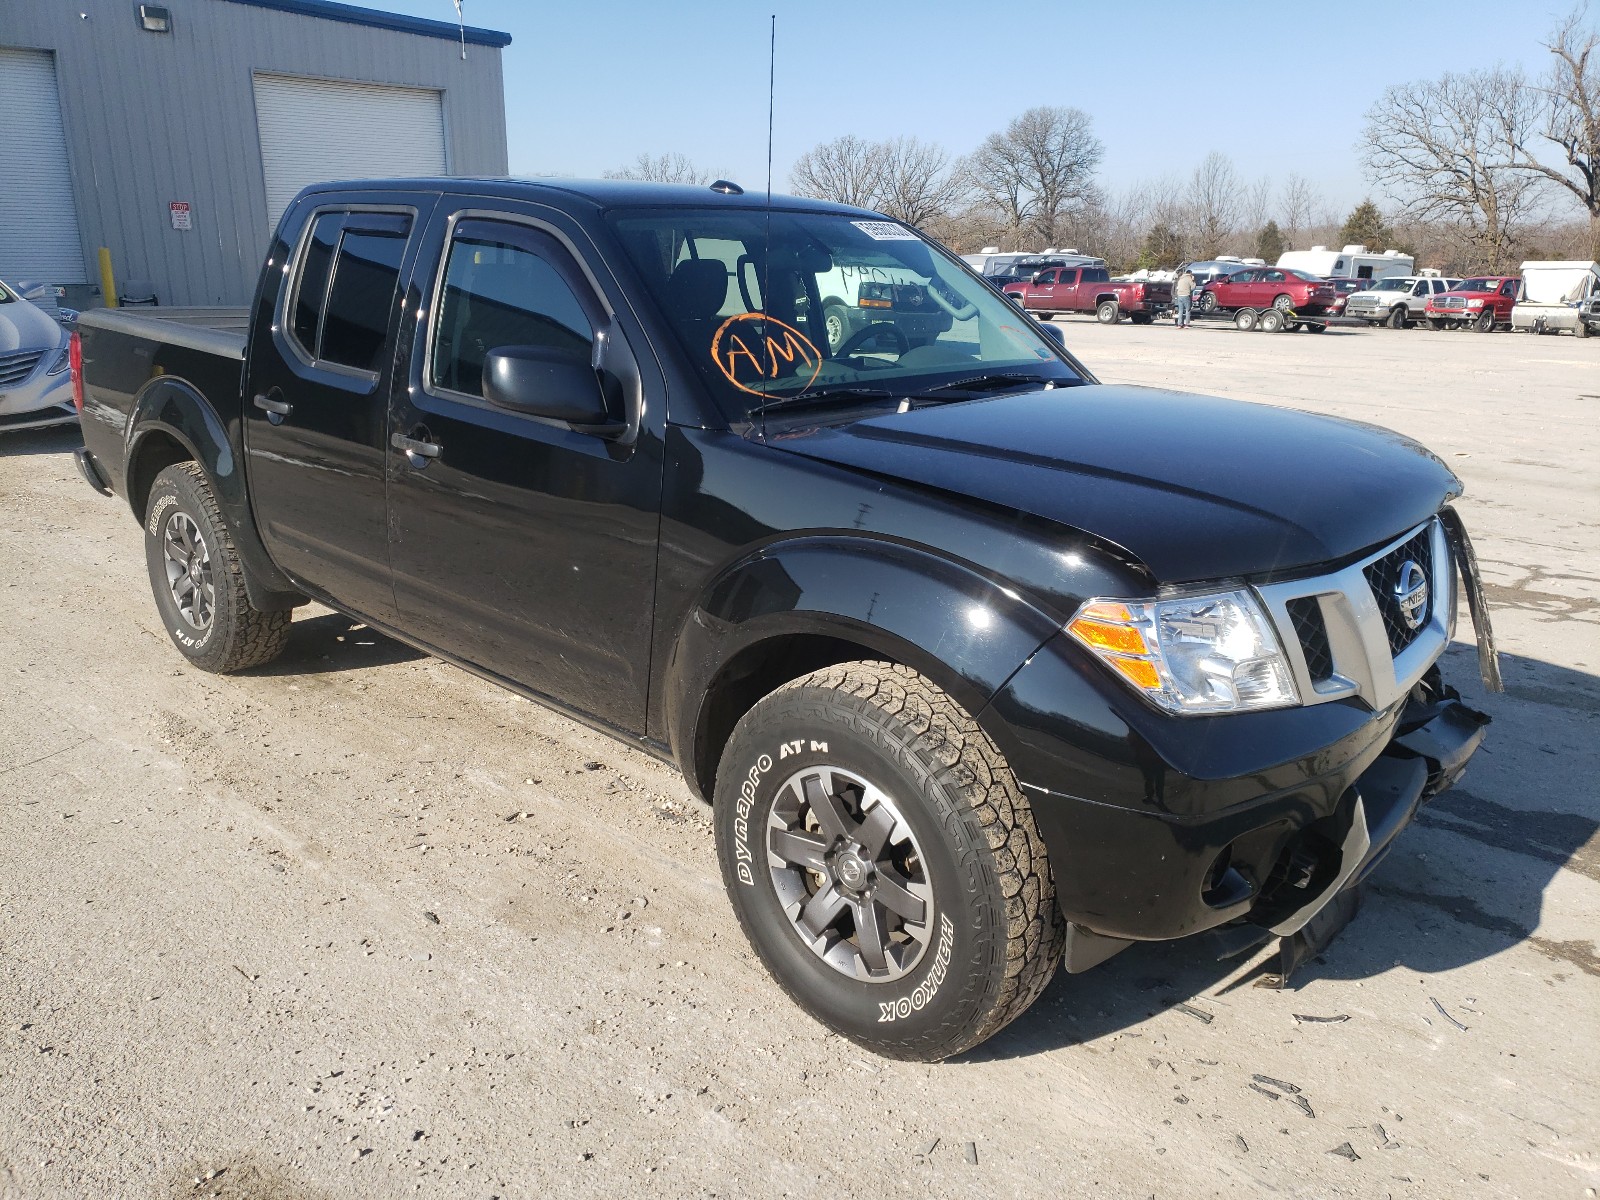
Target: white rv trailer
1353, 262
1553, 295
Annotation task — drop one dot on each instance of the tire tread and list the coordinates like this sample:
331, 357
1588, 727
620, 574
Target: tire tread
972, 768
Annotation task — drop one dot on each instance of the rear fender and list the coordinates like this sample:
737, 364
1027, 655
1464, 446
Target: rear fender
837, 598
168, 410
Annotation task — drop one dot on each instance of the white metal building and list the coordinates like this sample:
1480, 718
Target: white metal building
175, 134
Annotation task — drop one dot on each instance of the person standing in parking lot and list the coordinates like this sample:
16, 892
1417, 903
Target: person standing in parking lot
1182, 295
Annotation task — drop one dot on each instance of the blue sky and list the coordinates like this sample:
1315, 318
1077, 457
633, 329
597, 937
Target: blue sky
1277, 87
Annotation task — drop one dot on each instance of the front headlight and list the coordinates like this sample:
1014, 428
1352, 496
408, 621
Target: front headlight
63, 360
1190, 654
1474, 303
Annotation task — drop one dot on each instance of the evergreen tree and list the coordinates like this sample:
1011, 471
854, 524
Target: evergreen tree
1365, 227
1269, 242
1162, 248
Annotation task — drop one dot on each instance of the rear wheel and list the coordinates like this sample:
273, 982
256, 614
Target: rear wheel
884, 863
1271, 321
1109, 312
1140, 318
1484, 323
1245, 319
837, 324
198, 579
1283, 303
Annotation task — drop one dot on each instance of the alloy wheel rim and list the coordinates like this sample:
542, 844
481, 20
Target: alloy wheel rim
188, 567
849, 874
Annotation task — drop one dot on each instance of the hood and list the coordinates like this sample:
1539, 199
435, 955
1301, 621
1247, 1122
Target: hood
24, 327
1194, 487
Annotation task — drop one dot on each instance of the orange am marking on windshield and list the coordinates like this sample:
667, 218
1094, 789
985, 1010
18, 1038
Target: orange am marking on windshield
778, 347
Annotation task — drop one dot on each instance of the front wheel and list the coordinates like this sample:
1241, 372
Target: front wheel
884, 863
1581, 329
1109, 312
1484, 323
1206, 303
198, 579
1398, 317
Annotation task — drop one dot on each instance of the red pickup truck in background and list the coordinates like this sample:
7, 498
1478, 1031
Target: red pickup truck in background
1267, 287
1091, 289
1483, 303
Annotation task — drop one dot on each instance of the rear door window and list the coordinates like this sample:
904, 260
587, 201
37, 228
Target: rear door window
344, 296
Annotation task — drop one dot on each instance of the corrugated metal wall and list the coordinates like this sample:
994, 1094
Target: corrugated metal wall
153, 118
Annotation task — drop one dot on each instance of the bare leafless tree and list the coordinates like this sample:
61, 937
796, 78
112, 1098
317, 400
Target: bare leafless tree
663, 168
1214, 204
1038, 168
1257, 205
917, 182
847, 170
1567, 102
1439, 147
1295, 202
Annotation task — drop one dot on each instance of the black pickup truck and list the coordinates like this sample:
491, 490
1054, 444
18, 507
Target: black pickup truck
983, 665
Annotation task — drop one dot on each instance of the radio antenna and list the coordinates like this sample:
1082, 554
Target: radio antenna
772, 87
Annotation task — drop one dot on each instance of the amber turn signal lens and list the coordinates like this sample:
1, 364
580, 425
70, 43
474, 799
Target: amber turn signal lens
1104, 635
1140, 672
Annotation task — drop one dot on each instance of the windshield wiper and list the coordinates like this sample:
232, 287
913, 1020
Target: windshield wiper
988, 383
823, 395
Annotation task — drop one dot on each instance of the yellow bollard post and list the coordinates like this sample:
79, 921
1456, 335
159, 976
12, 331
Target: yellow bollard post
108, 285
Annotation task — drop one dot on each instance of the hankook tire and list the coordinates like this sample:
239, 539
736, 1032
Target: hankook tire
198, 579
884, 863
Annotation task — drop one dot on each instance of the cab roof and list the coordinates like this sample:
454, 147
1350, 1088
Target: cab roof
602, 193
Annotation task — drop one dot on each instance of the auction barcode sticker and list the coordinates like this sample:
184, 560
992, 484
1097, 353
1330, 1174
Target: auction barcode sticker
885, 231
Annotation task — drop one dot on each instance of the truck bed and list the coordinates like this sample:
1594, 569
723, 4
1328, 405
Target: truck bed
218, 331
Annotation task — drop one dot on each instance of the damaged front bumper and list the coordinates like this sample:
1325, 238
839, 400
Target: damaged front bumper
1436, 737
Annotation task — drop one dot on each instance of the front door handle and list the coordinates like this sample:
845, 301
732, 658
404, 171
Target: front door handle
276, 410
419, 452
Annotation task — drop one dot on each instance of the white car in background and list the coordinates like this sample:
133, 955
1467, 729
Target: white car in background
35, 384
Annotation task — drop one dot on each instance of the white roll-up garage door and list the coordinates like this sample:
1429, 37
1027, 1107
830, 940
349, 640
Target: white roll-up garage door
39, 238
314, 130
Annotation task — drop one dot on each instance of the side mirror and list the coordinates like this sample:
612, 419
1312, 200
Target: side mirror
1054, 333
547, 382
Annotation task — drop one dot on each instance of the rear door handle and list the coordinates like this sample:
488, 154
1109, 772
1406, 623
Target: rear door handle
418, 452
277, 408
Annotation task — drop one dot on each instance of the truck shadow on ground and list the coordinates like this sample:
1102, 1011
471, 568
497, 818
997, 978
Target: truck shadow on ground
59, 439
334, 642
1465, 884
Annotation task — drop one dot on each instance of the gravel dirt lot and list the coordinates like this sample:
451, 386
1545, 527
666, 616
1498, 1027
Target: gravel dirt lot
362, 925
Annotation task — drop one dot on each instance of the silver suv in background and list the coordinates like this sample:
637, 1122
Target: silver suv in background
1396, 302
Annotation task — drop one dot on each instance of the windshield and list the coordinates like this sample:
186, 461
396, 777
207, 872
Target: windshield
854, 305
1392, 285
1479, 285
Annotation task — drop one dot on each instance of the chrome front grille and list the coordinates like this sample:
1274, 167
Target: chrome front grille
14, 368
1384, 576
1450, 302
1346, 634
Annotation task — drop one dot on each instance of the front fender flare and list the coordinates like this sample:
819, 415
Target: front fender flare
173, 407
964, 630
